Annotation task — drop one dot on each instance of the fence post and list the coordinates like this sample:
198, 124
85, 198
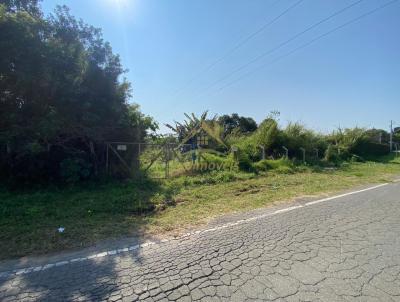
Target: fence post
263, 152
317, 152
304, 154
167, 155
287, 151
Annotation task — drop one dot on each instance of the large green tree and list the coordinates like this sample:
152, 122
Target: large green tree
237, 123
62, 91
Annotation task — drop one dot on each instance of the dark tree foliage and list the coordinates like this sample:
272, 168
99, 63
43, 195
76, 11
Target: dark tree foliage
396, 137
377, 135
60, 95
238, 123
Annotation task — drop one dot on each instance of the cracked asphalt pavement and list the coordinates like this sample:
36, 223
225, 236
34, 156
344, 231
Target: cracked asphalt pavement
347, 249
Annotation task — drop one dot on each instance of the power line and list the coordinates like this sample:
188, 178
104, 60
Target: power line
239, 44
311, 42
259, 57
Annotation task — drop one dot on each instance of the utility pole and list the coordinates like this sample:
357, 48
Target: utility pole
391, 136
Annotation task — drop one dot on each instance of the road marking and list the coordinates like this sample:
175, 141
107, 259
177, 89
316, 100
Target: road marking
152, 243
344, 195
288, 209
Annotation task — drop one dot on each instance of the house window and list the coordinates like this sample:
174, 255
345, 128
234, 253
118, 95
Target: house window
202, 140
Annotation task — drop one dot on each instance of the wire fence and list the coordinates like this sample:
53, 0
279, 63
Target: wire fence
161, 161
129, 159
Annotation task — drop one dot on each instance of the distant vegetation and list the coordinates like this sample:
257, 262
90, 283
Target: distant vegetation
356, 144
268, 146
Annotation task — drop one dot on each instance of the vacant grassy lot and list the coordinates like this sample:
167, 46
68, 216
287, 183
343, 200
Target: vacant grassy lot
29, 220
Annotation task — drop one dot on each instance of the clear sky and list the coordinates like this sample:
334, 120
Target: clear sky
179, 57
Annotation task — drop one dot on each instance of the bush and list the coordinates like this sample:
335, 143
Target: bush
280, 164
296, 136
284, 170
213, 158
262, 165
370, 149
340, 146
216, 161
245, 164
336, 154
349, 143
265, 136
74, 169
356, 159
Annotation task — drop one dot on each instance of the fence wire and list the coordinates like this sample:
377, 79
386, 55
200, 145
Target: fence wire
127, 159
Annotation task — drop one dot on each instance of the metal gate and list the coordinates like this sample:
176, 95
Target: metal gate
129, 159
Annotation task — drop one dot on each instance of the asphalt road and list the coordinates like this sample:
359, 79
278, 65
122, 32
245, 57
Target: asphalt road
345, 249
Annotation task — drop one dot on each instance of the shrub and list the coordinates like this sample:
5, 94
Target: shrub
370, 149
74, 169
356, 159
332, 154
262, 165
296, 136
284, 170
217, 161
250, 145
245, 164
357, 141
267, 164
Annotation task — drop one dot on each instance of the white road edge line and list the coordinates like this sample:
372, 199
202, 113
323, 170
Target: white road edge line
150, 243
346, 194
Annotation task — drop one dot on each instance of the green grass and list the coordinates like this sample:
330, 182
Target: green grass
29, 220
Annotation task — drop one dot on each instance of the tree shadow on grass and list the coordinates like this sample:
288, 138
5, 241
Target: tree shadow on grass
95, 279
88, 215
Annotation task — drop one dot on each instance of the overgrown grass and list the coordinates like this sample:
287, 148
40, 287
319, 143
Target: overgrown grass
29, 220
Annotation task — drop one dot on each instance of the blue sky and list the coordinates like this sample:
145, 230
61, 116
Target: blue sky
348, 78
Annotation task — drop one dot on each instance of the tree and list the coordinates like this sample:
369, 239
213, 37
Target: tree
239, 123
143, 122
296, 136
377, 135
29, 6
60, 92
360, 142
267, 133
396, 137
193, 126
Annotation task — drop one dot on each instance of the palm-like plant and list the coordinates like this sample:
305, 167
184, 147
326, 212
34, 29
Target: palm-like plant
194, 125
